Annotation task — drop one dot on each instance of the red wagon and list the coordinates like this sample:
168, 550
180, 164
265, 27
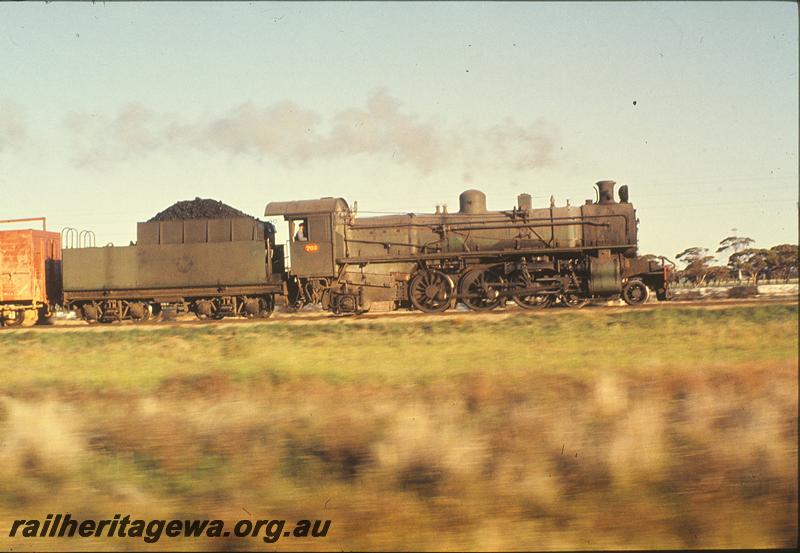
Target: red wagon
30, 273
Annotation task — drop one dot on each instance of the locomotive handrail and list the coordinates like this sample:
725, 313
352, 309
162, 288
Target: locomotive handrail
575, 219
483, 253
455, 228
69, 237
86, 239
386, 242
27, 220
545, 221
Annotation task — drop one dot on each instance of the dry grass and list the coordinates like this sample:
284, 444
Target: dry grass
439, 439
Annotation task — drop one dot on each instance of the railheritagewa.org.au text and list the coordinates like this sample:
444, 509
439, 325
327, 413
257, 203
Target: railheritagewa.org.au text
64, 526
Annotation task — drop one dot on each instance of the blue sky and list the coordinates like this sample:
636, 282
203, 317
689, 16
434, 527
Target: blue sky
110, 113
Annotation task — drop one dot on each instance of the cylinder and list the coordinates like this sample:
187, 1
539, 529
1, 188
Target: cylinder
524, 202
605, 276
472, 201
605, 190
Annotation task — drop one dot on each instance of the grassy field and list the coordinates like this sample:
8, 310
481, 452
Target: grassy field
586, 430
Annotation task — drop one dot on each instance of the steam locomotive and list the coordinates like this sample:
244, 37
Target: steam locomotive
347, 264
477, 257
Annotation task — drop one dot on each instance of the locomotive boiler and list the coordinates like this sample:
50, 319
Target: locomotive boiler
481, 258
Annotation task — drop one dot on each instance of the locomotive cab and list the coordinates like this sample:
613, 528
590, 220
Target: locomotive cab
316, 240
311, 250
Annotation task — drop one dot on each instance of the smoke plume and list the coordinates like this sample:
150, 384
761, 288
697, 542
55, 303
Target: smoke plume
296, 136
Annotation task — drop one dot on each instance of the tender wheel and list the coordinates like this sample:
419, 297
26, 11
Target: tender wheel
138, 311
635, 292
574, 300
529, 301
90, 312
479, 289
258, 307
204, 309
431, 291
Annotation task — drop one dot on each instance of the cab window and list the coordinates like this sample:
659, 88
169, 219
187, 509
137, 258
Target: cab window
299, 229
320, 228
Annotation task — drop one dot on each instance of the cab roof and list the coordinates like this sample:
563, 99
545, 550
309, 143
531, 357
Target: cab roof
306, 207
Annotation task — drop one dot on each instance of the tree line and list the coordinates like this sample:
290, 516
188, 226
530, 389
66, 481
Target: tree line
745, 263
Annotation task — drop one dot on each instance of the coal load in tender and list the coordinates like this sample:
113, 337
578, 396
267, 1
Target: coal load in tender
199, 208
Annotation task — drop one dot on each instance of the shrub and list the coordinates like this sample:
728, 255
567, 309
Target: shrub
747, 291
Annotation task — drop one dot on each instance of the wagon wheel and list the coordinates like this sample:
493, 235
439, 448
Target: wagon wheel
431, 291
574, 300
31, 317
528, 301
479, 289
19, 318
635, 292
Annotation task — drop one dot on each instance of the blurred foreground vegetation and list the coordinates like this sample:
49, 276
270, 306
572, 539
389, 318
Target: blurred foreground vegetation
667, 428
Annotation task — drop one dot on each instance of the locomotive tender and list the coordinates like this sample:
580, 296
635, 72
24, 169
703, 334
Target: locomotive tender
212, 267
347, 264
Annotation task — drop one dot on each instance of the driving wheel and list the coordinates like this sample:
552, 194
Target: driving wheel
431, 291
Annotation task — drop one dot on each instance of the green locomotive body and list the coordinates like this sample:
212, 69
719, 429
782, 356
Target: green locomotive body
481, 258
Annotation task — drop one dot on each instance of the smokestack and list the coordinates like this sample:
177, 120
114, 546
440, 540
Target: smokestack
524, 202
605, 189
